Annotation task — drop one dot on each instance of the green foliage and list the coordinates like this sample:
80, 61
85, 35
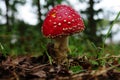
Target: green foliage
59, 1
106, 36
3, 50
24, 39
76, 69
96, 58
93, 62
49, 57
27, 39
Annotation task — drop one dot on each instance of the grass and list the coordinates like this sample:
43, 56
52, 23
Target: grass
3, 50
76, 69
49, 57
99, 56
79, 48
106, 36
96, 55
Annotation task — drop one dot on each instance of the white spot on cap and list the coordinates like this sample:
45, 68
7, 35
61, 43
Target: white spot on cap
70, 10
59, 24
50, 20
55, 26
78, 24
73, 14
63, 29
54, 10
78, 27
49, 35
69, 22
70, 28
60, 17
74, 26
69, 16
54, 16
64, 20
66, 13
54, 23
73, 20
82, 28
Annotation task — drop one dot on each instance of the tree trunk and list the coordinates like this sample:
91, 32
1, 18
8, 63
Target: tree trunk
7, 16
91, 21
92, 24
39, 15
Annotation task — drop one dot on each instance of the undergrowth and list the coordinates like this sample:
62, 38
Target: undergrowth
96, 55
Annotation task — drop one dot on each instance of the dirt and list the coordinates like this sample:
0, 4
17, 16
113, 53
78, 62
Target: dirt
39, 68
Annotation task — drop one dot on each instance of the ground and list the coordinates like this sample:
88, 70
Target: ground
40, 68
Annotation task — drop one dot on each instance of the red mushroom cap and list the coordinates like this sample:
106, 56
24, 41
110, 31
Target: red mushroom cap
62, 20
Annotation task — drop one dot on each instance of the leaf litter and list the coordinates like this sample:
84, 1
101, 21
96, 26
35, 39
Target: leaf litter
39, 68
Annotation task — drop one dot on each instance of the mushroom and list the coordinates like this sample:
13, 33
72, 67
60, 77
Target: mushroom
61, 22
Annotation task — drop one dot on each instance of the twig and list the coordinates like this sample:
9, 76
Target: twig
39, 66
109, 57
100, 72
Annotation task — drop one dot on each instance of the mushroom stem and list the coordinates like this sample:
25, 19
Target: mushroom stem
61, 48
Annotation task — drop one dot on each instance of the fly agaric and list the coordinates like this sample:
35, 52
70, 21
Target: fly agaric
61, 22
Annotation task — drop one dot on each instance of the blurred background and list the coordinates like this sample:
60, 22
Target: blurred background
21, 21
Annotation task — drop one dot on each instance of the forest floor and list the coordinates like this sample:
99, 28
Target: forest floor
38, 68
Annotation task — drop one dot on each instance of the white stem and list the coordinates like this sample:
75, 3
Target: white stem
61, 43
61, 48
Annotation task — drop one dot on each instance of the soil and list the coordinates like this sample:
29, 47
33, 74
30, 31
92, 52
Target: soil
39, 68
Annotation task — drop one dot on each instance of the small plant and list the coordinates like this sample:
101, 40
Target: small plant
2, 50
76, 69
49, 57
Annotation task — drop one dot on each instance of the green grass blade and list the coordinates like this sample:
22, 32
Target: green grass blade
1, 46
2, 50
116, 18
49, 57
